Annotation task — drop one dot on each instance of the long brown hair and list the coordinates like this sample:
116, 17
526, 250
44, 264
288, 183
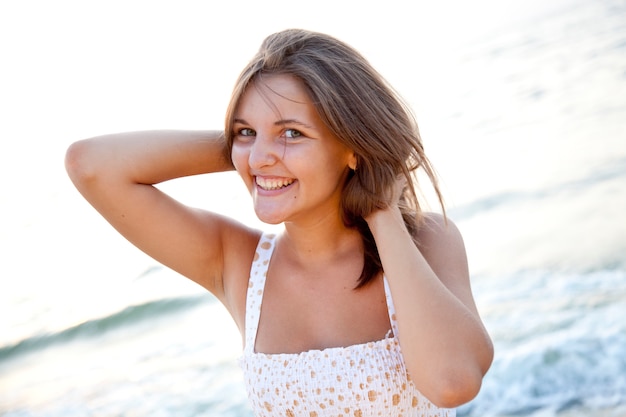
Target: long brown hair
364, 112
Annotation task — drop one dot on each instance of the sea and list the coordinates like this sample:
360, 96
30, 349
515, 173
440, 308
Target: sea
522, 108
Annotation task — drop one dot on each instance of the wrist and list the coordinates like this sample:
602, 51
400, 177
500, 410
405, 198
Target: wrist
384, 218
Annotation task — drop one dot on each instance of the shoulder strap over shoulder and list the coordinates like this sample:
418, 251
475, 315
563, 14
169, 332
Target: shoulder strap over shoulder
391, 309
256, 285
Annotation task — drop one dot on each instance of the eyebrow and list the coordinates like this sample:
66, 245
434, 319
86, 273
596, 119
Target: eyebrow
280, 122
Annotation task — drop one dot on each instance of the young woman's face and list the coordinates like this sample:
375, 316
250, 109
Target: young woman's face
294, 167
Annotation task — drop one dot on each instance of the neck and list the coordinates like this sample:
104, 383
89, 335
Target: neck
320, 243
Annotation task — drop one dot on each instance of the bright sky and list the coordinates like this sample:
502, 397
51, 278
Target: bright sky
74, 68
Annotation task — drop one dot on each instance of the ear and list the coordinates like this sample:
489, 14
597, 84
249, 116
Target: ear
352, 161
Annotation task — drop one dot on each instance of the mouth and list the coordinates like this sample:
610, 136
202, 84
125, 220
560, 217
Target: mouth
271, 184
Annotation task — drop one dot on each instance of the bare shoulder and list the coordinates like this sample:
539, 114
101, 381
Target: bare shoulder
441, 243
437, 232
239, 248
238, 245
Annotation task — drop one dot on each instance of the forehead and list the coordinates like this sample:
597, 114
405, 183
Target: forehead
278, 91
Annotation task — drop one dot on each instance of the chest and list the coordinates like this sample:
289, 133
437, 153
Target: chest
318, 312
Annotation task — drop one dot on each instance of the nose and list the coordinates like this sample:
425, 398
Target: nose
263, 152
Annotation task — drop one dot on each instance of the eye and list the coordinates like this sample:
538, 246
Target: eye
244, 135
292, 133
246, 132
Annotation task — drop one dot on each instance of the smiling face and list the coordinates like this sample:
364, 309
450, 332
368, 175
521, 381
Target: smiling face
294, 167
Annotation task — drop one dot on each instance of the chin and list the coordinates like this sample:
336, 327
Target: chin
269, 218
272, 222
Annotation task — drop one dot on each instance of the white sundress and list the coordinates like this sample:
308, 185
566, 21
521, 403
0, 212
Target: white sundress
363, 380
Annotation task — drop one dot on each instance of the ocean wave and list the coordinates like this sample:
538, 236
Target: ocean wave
128, 316
560, 343
575, 372
615, 171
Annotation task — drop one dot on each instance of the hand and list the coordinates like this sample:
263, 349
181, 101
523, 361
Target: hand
393, 196
397, 191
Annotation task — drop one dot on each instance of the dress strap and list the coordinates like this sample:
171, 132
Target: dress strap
256, 285
391, 309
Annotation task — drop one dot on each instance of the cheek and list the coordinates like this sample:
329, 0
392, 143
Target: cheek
239, 157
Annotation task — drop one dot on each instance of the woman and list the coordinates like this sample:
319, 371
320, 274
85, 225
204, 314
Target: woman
362, 305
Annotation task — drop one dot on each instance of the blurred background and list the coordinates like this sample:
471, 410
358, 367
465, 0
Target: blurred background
522, 107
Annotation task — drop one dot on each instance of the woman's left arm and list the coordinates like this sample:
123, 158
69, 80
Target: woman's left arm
445, 345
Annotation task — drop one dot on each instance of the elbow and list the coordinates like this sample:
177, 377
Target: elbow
455, 390
77, 164
458, 385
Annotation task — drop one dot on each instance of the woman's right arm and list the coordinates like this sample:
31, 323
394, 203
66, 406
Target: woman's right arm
116, 174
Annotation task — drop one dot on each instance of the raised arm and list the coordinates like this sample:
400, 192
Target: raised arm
116, 174
444, 343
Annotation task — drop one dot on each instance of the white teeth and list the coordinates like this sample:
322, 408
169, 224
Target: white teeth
273, 184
